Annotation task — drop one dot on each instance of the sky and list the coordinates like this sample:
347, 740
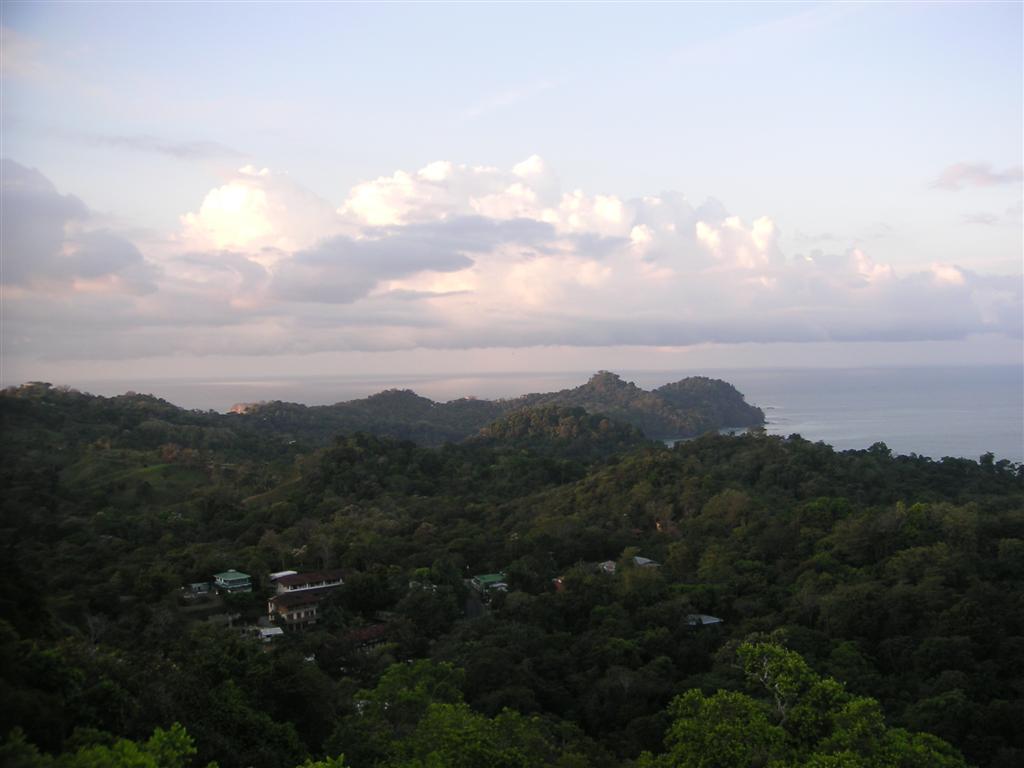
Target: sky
233, 189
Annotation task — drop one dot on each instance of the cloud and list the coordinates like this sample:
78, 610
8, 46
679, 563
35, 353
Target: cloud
986, 219
961, 175
343, 269
35, 216
45, 240
258, 209
819, 237
181, 150
460, 256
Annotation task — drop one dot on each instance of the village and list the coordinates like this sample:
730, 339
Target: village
295, 601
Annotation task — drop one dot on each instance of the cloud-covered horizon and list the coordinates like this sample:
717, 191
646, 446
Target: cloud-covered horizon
453, 256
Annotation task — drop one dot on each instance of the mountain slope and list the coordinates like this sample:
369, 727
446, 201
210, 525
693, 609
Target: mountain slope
686, 408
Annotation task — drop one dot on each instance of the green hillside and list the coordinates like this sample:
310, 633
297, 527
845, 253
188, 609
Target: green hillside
734, 600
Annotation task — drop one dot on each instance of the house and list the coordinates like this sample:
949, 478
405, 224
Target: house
268, 634
608, 566
197, 589
296, 603
296, 609
279, 574
701, 620
645, 562
487, 582
365, 638
233, 581
298, 582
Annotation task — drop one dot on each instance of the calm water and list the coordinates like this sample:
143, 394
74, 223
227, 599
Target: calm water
928, 410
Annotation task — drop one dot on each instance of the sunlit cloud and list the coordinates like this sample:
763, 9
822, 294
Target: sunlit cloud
455, 256
256, 209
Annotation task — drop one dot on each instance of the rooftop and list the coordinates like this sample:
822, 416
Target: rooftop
309, 577
367, 634
645, 562
231, 575
489, 578
305, 597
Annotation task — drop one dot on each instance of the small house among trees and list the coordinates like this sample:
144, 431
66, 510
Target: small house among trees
233, 581
488, 582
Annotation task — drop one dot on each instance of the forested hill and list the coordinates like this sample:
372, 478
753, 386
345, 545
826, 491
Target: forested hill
685, 408
561, 431
401, 414
733, 601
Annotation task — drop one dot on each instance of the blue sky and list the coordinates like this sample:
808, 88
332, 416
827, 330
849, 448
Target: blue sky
881, 141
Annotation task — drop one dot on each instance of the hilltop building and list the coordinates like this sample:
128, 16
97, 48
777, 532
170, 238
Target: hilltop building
297, 600
298, 582
233, 581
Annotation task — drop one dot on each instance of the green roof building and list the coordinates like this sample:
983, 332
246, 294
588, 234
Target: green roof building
485, 582
233, 581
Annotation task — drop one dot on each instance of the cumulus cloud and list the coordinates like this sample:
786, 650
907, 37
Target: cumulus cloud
460, 256
46, 242
961, 175
258, 209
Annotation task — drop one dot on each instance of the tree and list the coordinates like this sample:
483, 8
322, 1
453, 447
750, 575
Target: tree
172, 748
725, 730
808, 721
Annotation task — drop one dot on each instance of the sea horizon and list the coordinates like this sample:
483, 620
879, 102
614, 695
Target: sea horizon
929, 410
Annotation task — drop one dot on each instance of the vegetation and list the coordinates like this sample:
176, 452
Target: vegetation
685, 408
871, 604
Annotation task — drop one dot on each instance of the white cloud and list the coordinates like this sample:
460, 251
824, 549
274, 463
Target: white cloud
457, 256
257, 209
949, 274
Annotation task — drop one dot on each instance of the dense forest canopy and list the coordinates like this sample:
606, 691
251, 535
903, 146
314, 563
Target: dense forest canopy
731, 601
684, 408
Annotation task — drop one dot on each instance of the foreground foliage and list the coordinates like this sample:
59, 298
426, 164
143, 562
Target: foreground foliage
900, 576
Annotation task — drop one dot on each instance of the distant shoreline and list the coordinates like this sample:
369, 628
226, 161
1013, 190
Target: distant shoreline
354, 386
931, 410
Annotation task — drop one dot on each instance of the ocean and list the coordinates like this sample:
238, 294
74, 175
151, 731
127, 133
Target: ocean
930, 411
